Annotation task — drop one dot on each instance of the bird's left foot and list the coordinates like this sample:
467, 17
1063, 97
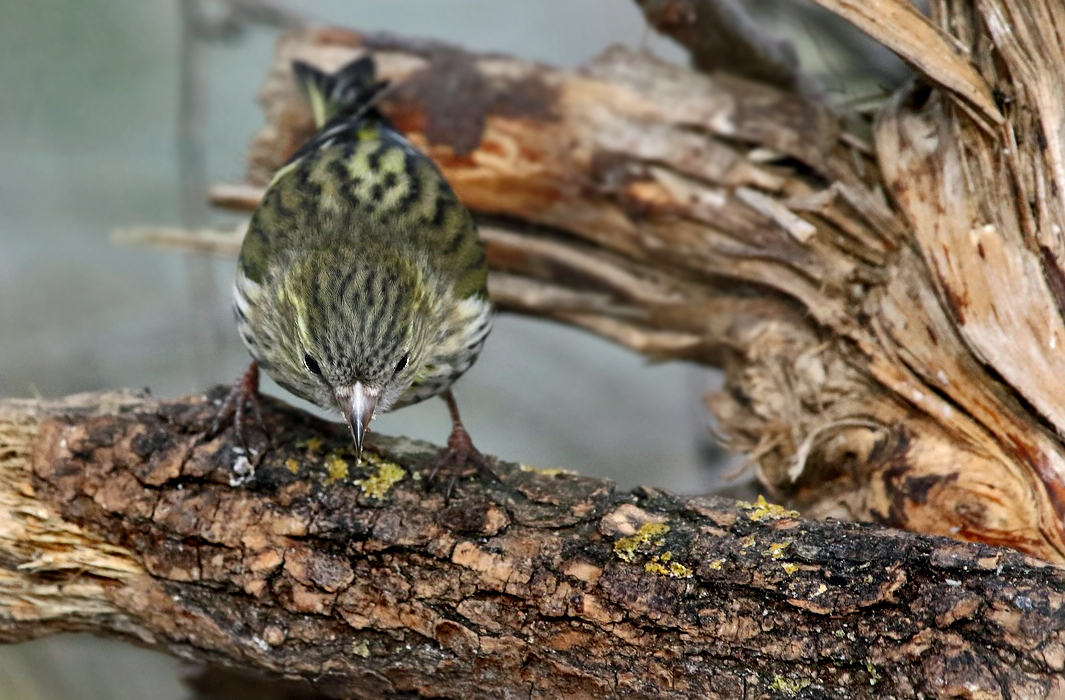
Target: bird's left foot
459, 455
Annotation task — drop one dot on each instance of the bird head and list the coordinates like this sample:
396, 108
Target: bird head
355, 331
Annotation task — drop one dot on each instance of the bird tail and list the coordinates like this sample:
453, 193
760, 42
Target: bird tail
352, 90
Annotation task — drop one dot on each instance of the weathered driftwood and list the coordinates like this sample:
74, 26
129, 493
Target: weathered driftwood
887, 311
721, 35
119, 516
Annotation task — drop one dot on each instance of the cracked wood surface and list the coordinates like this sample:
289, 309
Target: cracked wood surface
119, 517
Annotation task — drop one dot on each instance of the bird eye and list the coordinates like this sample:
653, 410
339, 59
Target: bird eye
312, 364
402, 364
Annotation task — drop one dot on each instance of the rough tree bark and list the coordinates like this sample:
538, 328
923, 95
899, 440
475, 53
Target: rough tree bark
887, 311
119, 516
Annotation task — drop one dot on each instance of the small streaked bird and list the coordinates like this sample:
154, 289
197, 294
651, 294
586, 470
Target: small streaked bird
361, 284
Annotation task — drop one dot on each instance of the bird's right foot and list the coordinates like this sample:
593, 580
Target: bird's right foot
243, 394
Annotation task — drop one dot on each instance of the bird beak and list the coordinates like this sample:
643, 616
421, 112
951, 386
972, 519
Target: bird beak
358, 406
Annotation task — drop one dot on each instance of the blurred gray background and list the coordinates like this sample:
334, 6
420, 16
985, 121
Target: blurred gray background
122, 112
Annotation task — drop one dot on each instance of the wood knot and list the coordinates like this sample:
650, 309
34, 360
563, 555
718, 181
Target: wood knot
480, 517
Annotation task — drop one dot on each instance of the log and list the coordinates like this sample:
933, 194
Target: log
720, 35
120, 516
884, 298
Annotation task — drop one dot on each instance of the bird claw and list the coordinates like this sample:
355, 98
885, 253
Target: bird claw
244, 393
459, 454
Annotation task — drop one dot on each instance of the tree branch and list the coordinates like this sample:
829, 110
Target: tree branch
901, 27
874, 368
119, 516
721, 36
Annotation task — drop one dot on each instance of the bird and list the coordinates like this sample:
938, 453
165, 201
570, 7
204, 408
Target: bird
362, 281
